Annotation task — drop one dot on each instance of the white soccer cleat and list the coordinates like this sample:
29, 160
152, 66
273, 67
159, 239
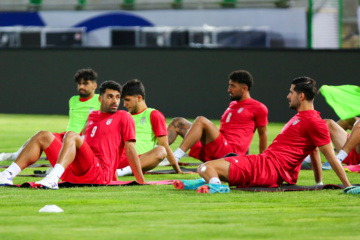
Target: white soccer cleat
4, 181
47, 183
164, 162
7, 157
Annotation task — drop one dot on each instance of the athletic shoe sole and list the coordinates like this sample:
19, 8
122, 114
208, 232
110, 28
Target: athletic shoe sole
39, 186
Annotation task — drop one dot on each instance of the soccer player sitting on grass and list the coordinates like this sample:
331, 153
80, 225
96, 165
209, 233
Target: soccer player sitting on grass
238, 124
79, 107
150, 127
282, 159
90, 160
347, 146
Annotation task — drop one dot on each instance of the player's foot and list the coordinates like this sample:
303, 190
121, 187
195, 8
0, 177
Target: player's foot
47, 183
352, 190
326, 166
306, 165
5, 181
7, 157
213, 188
189, 184
164, 162
352, 168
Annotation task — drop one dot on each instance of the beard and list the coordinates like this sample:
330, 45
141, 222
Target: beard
84, 94
294, 106
236, 97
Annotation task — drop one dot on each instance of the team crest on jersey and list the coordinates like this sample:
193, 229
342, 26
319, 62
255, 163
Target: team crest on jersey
296, 122
143, 120
108, 121
240, 110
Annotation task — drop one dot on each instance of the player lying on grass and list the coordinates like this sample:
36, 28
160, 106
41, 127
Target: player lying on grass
238, 124
150, 127
282, 160
93, 159
79, 107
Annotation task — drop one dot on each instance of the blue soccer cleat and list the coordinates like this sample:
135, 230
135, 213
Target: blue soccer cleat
352, 190
189, 184
326, 166
213, 188
306, 165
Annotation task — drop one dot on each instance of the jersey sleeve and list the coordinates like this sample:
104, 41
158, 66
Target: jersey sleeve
261, 118
127, 127
318, 131
158, 123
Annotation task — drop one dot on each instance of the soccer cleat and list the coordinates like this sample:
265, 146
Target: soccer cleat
306, 165
189, 184
352, 168
47, 183
164, 162
7, 156
352, 190
326, 166
5, 181
213, 188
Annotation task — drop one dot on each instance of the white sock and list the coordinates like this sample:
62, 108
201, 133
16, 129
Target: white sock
341, 155
57, 172
124, 171
307, 159
178, 153
215, 180
11, 171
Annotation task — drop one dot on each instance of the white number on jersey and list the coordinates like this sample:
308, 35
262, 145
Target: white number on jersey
93, 131
228, 117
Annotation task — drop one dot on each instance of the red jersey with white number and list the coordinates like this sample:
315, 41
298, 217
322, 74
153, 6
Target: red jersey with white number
299, 137
106, 135
239, 122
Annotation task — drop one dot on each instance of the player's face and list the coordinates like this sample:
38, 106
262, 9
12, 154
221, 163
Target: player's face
294, 99
131, 103
86, 88
110, 101
236, 90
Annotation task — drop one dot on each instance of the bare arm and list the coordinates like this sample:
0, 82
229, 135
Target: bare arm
262, 131
163, 141
134, 161
316, 165
328, 152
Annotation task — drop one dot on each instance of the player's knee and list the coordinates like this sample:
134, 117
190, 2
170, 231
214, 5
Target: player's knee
331, 123
43, 137
202, 169
71, 137
161, 152
175, 121
201, 120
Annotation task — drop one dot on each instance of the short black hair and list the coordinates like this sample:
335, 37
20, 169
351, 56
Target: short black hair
133, 87
242, 76
109, 84
305, 85
86, 74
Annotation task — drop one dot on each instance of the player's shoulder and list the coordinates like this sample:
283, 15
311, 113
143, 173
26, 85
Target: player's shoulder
75, 97
311, 118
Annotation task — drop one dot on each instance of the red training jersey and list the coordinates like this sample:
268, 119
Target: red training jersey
106, 134
299, 137
239, 122
158, 123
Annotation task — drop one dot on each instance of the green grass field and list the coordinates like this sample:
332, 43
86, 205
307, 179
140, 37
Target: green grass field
163, 212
